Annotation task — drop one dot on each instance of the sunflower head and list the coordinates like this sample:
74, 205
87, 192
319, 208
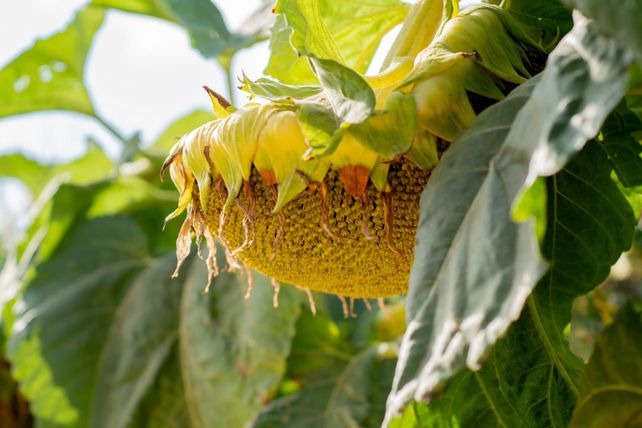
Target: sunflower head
340, 217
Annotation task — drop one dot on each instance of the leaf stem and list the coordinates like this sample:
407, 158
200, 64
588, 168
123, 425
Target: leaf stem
226, 63
111, 129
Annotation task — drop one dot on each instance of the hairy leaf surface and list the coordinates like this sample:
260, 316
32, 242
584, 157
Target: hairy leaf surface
474, 267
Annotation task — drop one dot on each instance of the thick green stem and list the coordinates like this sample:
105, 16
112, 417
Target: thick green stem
226, 63
418, 30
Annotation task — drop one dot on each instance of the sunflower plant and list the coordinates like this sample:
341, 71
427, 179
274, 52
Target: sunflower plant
425, 214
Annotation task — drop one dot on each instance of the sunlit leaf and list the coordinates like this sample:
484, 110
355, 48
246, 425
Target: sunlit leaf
474, 268
351, 98
100, 318
347, 32
156, 8
274, 90
50, 75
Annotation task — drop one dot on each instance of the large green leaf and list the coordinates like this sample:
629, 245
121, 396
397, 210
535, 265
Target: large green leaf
620, 20
611, 385
474, 267
344, 398
232, 351
50, 75
530, 378
156, 8
350, 96
335, 384
99, 321
346, 32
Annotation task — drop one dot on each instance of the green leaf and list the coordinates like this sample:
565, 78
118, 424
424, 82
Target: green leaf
621, 22
334, 385
100, 318
624, 151
93, 166
50, 75
206, 27
549, 17
64, 316
284, 63
611, 385
347, 32
156, 8
271, 89
232, 351
474, 268
350, 96
389, 132
530, 377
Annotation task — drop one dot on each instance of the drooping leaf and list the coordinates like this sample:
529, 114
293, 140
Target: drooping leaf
271, 89
530, 378
474, 268
621, 22
49, 75
350, 96
206, 27
611, 385
347, 32
232, 351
